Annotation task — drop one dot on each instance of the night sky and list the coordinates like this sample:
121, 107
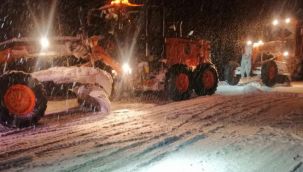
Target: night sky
224, 22
16, 16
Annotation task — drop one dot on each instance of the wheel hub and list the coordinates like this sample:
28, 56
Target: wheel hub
272, 72
182, 82
19, 99
208, 79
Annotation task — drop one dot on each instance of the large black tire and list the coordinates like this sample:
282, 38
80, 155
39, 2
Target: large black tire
229, 73
205, 79
177, 83
269, 73
15, 79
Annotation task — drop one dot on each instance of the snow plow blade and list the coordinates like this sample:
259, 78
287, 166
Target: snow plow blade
92, 86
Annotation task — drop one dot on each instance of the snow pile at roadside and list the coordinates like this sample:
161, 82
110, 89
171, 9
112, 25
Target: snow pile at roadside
253, 87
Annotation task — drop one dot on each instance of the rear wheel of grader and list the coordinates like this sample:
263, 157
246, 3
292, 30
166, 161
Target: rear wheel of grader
178, 84
230, 73
205, 79
269, 73
22, 100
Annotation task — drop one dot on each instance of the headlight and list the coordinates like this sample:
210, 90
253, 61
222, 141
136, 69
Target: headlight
44, 42
287, 20
258, 44
126, 68
114, 72
249, 42
275, 22
285, 54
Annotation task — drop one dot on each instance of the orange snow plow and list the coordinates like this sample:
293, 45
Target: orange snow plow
176, 65
31, 70
277, 58
185, 67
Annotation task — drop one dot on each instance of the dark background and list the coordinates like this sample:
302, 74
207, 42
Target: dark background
226, 23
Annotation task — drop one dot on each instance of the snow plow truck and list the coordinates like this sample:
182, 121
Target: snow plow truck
185, 67
33, 70
277, 58
173, 64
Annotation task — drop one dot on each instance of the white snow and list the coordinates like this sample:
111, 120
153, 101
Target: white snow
258, 131
257, 87
224, 88
84, 75
96, 88
94, 95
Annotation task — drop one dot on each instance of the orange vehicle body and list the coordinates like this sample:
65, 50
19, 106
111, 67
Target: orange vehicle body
178, 51
29, 48
187, 51
281, 39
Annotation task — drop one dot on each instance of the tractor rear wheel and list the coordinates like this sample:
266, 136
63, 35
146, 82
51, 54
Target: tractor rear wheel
229, 73
22, 100
205, 79
269, 73
178, 84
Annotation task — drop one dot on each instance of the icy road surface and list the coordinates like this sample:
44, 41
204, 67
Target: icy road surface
257, 131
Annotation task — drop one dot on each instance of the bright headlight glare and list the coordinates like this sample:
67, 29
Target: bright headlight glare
287, 20
255, 45
126, 68
114, 72
258, 44
249, 42
44, 42
285, 53
275, 22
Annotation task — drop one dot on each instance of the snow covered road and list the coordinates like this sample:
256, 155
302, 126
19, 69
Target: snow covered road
250, 132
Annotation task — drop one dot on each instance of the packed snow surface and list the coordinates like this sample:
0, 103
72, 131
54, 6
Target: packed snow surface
256, 131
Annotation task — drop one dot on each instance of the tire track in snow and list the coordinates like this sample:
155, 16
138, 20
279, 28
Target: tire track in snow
15, 163
166, 121
215, 112
151, 146
123, 123
58, 145
99, 159
165, 154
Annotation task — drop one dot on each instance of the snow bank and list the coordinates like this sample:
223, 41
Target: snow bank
253, 87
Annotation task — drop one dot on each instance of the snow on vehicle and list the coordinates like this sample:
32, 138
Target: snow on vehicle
33, 70
276, 58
